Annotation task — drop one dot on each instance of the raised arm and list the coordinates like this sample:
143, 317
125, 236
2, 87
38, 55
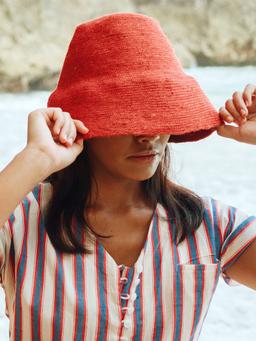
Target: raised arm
241, 109
27, 168
46, 152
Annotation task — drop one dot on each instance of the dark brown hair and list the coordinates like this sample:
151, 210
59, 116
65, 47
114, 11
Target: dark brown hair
72, 191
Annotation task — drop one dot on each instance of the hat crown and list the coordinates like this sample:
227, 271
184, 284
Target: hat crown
119, 44
121, 77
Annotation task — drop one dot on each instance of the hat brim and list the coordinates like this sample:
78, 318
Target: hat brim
145, 104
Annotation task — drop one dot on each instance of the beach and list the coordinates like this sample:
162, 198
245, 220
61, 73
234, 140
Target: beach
216, 167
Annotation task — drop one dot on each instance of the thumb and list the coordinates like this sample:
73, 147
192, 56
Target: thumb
78, 146
229, 131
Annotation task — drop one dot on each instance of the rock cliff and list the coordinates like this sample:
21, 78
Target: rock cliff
34, 35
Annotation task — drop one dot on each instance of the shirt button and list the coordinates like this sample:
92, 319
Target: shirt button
137, 281
125, 296
123, 280
127, 323
134, 296
130, 310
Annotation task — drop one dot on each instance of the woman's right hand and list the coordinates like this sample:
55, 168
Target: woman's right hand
54, 132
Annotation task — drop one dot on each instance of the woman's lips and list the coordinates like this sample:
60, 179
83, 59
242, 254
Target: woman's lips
144, 159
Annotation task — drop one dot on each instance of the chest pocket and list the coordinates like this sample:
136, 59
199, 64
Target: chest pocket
200, 277
195, 285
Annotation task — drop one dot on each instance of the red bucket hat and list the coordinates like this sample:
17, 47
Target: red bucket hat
121, 77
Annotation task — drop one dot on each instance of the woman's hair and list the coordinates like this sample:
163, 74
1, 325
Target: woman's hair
72, 192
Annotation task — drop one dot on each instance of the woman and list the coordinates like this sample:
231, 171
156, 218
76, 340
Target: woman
96, 243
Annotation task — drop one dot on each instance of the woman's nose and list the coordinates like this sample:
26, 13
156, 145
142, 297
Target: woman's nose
147, 138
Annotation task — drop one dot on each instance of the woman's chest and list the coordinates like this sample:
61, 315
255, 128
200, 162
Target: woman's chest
161, 299
127, 235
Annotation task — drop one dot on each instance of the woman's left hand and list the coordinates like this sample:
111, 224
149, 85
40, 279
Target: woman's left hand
241, 109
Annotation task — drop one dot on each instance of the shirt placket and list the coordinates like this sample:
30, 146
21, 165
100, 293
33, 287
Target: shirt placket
128, 309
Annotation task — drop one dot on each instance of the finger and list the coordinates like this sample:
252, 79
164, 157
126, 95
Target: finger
63, 136
58, 116
225, 115
72, 133
229, 131
239, 103
54, 118
80, 126
79, 140
229, 105
248, 92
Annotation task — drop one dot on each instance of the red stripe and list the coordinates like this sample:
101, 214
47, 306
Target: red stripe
219, 221
24, 241
84, 290
43, 282
188, 248
225, 234
196, 246
106, 298
173, 281
36, 266
161, 272
194, 305
142, 289
154, 279
208, 240
98, 290
76, 298
119, 285
55, 299
182, 300
240, 250
63, 301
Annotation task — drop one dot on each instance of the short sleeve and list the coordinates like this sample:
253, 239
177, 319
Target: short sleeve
5, 241
3, 245
233, 230
12, 232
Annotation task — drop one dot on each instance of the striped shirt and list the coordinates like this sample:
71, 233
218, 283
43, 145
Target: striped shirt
165, 295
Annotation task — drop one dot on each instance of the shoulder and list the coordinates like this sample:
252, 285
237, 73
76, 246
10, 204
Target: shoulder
223, 216
26, 212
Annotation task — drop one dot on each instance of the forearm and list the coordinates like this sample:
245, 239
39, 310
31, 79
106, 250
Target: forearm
19, 177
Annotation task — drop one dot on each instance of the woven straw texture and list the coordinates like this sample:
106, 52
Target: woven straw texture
121, 77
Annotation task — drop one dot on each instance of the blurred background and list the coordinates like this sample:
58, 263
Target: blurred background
216, 43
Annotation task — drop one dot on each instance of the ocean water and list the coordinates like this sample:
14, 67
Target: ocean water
218, 167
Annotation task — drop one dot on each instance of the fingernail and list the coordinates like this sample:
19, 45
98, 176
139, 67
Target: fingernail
70, 140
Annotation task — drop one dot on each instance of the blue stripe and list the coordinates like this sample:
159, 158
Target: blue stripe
177, 275
217, 235
231, 221
59, 298
157, 265
102, 291
80, 276
199, 297
20, 274
237, 230
127, 285
38, 277
192, 248
209, 226
35, 192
